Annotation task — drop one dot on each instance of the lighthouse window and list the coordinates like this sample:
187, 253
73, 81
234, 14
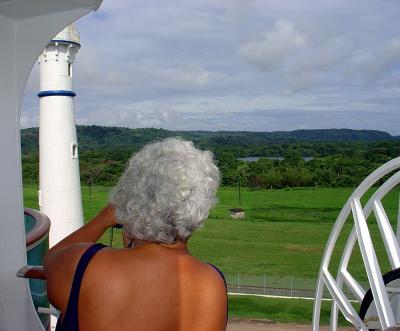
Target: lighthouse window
74, 150
69, 69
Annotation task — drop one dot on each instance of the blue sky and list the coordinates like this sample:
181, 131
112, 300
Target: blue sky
236, 65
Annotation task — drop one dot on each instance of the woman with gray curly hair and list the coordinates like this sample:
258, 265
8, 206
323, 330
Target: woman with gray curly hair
153, 284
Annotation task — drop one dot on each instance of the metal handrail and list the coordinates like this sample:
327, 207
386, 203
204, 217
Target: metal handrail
41, 229
32, 272
34, 237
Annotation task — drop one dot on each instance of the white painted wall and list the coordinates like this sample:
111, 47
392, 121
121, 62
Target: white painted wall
26, 26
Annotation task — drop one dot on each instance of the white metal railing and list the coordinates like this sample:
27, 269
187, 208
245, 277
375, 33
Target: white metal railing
384, 304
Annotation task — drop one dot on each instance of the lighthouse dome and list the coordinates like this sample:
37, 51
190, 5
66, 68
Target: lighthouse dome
70, 33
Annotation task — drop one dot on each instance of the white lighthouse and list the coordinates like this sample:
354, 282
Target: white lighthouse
59, 193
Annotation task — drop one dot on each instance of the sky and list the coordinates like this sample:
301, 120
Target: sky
251, 65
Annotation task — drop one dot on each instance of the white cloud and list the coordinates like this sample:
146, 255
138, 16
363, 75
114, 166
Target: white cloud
29, 121
275, 47
253, 64
373, 65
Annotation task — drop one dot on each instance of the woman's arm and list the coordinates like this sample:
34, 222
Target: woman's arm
60, 261
91, 231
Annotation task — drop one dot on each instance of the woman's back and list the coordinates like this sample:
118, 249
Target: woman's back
163, 196
151, 287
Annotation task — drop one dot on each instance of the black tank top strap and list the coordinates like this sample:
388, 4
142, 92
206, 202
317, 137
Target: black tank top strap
226, 287
220, 273
70, 319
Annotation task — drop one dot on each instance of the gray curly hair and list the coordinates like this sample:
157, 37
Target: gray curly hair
166, 191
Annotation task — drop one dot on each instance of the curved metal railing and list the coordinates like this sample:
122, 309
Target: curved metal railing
37, 226
40, 230
354, 211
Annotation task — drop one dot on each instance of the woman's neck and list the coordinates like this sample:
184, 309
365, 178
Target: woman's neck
179, 245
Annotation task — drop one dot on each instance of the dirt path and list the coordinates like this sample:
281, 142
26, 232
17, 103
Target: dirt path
265, 325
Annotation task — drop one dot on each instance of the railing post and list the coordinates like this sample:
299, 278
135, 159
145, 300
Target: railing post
291, 286
264, 285
238, 283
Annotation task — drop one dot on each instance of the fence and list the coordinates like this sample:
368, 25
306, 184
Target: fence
278, 286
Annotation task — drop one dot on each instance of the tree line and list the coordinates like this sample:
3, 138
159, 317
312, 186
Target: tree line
103, 155
329, 171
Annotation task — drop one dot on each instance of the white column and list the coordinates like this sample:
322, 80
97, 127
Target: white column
59, 194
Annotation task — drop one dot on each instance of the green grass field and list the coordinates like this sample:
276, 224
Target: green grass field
280, 310
283, 235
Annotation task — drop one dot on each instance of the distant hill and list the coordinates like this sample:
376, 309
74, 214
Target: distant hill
340, 157
95, 137
325, 135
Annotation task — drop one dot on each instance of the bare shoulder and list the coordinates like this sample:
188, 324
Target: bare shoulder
205, 279
60, 266
212, 280
211, 299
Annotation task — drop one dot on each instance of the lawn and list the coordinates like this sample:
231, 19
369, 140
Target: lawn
277, 309
283, 235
